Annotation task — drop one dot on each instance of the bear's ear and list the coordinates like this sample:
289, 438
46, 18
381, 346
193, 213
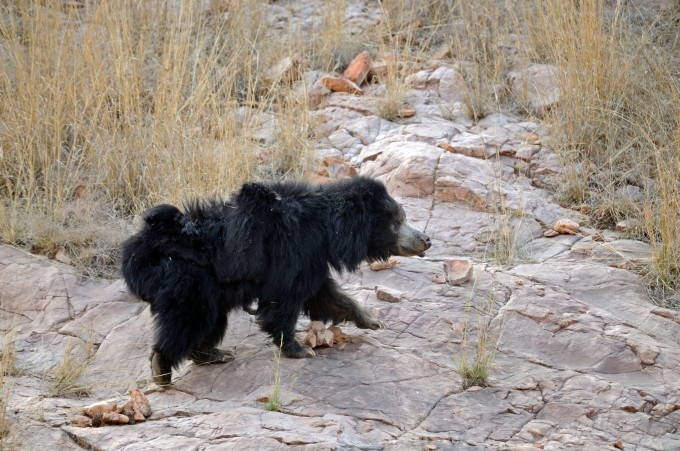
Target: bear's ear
163, 213
257, 195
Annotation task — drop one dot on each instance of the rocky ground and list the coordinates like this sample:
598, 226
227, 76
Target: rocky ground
581, 358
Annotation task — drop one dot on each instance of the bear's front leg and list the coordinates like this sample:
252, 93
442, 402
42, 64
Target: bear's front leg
331, 303
278, 320
293, 350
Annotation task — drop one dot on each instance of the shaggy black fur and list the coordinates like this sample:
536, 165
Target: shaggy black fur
276, 243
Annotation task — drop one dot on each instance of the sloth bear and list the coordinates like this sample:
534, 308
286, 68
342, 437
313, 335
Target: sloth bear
275, 243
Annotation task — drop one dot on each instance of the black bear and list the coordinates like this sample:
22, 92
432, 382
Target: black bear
275, 243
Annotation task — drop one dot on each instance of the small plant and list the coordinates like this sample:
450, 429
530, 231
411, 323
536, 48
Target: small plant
663, 270
4, 427
294, 128
395, 91
68, 375
8, 357
475, 371
7, 368
272, 402
5, 393
505, 242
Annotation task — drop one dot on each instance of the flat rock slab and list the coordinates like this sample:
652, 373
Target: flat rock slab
582, 360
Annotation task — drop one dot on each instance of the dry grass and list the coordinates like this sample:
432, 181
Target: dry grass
616, 125
68, 378
273, 402
504, 247
475, 365
7, 368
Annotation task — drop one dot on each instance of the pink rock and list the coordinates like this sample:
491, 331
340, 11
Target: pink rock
358, 68
339, 84
566, 226
457, 271
100, 407
387, 294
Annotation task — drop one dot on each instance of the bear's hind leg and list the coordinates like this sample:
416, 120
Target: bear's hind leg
190, 320
207, 352
161, 370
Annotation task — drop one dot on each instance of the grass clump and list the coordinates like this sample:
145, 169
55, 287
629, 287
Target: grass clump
475, 373
8, 365
273, 401
393, 99
475, 361
68, 377
7, 368
504, 244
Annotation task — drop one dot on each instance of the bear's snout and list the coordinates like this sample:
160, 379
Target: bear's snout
427, 243
412, 241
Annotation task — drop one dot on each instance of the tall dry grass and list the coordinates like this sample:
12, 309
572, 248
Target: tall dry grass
113, 106
616, 124
475, 360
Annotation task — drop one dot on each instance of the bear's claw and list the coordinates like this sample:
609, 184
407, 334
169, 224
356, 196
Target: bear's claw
371, 323
211, 356
295, 351
161, 370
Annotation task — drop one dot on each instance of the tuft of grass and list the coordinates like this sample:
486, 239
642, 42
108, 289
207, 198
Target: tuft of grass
68, 376
8, 357
661, 221
4, 425
393, 98
476, 46
475, 367
8, 368
7, 362
397, 37
294, 153
474, 374
273, 401
504, 245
